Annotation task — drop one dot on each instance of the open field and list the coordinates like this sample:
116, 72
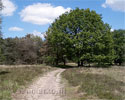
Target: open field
80, 83
17, 77
95, 83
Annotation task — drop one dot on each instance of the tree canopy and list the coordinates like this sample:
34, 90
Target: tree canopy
119, 46
82, 34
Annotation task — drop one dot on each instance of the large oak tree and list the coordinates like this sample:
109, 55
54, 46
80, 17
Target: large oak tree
81, 35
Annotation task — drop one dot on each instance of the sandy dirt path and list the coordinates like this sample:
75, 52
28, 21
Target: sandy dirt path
47, 87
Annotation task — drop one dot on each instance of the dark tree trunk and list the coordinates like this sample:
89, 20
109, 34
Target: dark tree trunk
89, 64
120, 63
78, 63
64, 62
81, 62
57, 58
57, 61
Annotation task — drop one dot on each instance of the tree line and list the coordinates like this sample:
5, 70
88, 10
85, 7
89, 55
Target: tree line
23, 50
78, 36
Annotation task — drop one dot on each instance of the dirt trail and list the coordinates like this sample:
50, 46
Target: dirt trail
47, 87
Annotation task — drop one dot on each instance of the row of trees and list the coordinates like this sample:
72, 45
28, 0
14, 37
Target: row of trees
23, 50
78, 36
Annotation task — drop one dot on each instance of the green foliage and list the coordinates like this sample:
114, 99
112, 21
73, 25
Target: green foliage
23, 50
84, 32
10, 51
119, 42
49, 60
60, 45
2, 57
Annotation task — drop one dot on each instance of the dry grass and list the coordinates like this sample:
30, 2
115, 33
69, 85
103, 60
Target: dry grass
16, 77
95, 83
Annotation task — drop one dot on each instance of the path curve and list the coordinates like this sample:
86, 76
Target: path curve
47, 87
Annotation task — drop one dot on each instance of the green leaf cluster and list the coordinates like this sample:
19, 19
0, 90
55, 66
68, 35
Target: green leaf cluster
81, 35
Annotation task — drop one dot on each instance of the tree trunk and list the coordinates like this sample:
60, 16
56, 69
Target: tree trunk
64, 62
78, 63
89, 65
57, 58
57, 61
120, 63
81, 62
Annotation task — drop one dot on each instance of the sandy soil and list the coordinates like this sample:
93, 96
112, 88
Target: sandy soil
47, 87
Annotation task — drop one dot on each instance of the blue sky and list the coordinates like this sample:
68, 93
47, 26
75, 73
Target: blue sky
34, 16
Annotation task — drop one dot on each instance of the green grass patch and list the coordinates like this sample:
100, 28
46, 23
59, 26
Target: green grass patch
14, 78
93, 85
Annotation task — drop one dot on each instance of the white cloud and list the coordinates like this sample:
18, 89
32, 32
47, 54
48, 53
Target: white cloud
15, 29
36, 33
8, 8
118, 5
42, 13
104, 5
112, 30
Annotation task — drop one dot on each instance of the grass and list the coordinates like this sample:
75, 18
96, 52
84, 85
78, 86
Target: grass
17, 77
95, 83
